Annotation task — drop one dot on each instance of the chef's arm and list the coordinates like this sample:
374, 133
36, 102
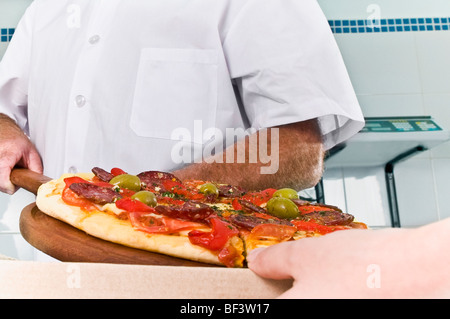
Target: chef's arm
15, 149
289, 156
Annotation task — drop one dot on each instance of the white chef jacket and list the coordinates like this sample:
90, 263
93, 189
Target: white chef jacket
106, 82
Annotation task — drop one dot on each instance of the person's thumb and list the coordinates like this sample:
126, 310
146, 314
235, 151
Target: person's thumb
34, 162
274, 262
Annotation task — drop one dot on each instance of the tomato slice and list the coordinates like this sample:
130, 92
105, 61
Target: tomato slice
311, 226
176, 225
159, 225
236, 205
75, 179
278, 232
192, 184
140, 218
147, 223
183, 190
217, 238
172, 185
117, 171
70, 198
259, 198
131, 205
126, 193
170, 201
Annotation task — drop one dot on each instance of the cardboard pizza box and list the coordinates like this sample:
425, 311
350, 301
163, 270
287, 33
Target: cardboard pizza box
30, 279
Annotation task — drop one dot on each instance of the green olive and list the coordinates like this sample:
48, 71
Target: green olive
282, 208
131, 182
146, 197
209, 189
286, 193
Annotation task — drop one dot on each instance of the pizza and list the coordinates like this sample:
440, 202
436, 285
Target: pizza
196, 220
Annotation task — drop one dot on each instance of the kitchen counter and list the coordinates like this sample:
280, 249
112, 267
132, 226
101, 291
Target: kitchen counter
29, 279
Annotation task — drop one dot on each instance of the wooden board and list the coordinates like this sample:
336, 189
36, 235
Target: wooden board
68, 244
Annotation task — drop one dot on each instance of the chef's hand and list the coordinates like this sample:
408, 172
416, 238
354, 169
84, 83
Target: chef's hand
388, 263
15, 149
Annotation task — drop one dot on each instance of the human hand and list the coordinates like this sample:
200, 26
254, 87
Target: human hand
388, 263
15, 149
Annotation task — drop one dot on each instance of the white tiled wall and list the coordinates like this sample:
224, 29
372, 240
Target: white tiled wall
397, 74
11, 242
10, 13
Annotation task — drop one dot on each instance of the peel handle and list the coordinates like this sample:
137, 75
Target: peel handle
27, 179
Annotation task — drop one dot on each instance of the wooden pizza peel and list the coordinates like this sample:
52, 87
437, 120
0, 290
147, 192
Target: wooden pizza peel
68, 244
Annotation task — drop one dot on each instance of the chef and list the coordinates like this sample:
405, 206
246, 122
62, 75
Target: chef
112, 83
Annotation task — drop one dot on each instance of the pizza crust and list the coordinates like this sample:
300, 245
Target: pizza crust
107, 227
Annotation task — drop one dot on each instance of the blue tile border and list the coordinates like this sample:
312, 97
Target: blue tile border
390, 25
6, 34
352, 26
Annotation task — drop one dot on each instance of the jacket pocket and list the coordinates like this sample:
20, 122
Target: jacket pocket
174, 88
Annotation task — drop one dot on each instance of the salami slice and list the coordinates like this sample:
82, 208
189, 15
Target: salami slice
97, 194
102, 174
329, 218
